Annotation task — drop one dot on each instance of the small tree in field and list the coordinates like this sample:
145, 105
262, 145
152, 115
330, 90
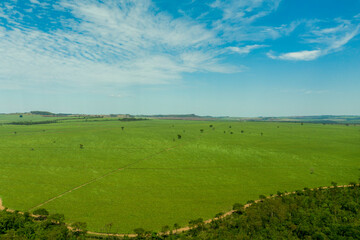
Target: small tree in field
201, 130
41, 212
179, 136
165, 229
176, 226
122, 128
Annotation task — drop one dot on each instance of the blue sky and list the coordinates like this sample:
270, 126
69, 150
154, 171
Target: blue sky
216, 57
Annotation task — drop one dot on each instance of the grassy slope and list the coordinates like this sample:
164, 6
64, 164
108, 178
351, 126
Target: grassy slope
5, 118
200, 178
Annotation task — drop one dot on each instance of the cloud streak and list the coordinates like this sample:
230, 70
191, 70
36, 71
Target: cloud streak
297, 56
328, 40
246, 49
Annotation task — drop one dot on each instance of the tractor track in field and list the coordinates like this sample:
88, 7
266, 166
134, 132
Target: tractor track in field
187, 228
103, 176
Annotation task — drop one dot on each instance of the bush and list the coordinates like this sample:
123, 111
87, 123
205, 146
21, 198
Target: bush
41, 212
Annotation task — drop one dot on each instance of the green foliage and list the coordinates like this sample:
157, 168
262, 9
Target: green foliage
41, 212
58, 218
41, 113
198, 176
176, 226
195, 222
262, 196
237, 207
139, 231
318, 214
132, 119
33, 123
16, 226
165, 229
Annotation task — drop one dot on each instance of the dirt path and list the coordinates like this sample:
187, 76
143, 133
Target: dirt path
1, 205
180, 230
187, 228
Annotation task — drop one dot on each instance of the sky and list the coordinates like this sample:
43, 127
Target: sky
241, 58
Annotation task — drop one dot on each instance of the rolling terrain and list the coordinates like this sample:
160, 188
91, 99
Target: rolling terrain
159, 172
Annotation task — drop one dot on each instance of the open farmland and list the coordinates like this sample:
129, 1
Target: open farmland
15, 118
140, 174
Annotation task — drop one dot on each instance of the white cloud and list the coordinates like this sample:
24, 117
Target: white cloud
236, 23
336, 43
245, 10
311, 92
35, 1
328, 40
297, 56
115, 42
246, 49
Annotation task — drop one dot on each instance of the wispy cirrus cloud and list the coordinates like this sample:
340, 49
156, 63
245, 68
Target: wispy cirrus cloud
300, 55
237, 18
326, 39
245, 49
87, 43
126, 42
245, 11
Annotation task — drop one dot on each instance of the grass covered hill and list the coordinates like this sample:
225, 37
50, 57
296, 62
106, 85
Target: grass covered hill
107, 172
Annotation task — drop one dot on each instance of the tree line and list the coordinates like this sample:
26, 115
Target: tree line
323, 213
39, 225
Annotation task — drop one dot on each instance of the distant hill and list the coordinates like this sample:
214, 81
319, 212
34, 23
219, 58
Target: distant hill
180, 116
324, 119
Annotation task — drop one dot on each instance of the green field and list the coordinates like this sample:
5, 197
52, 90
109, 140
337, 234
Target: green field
160, 179
6, 118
